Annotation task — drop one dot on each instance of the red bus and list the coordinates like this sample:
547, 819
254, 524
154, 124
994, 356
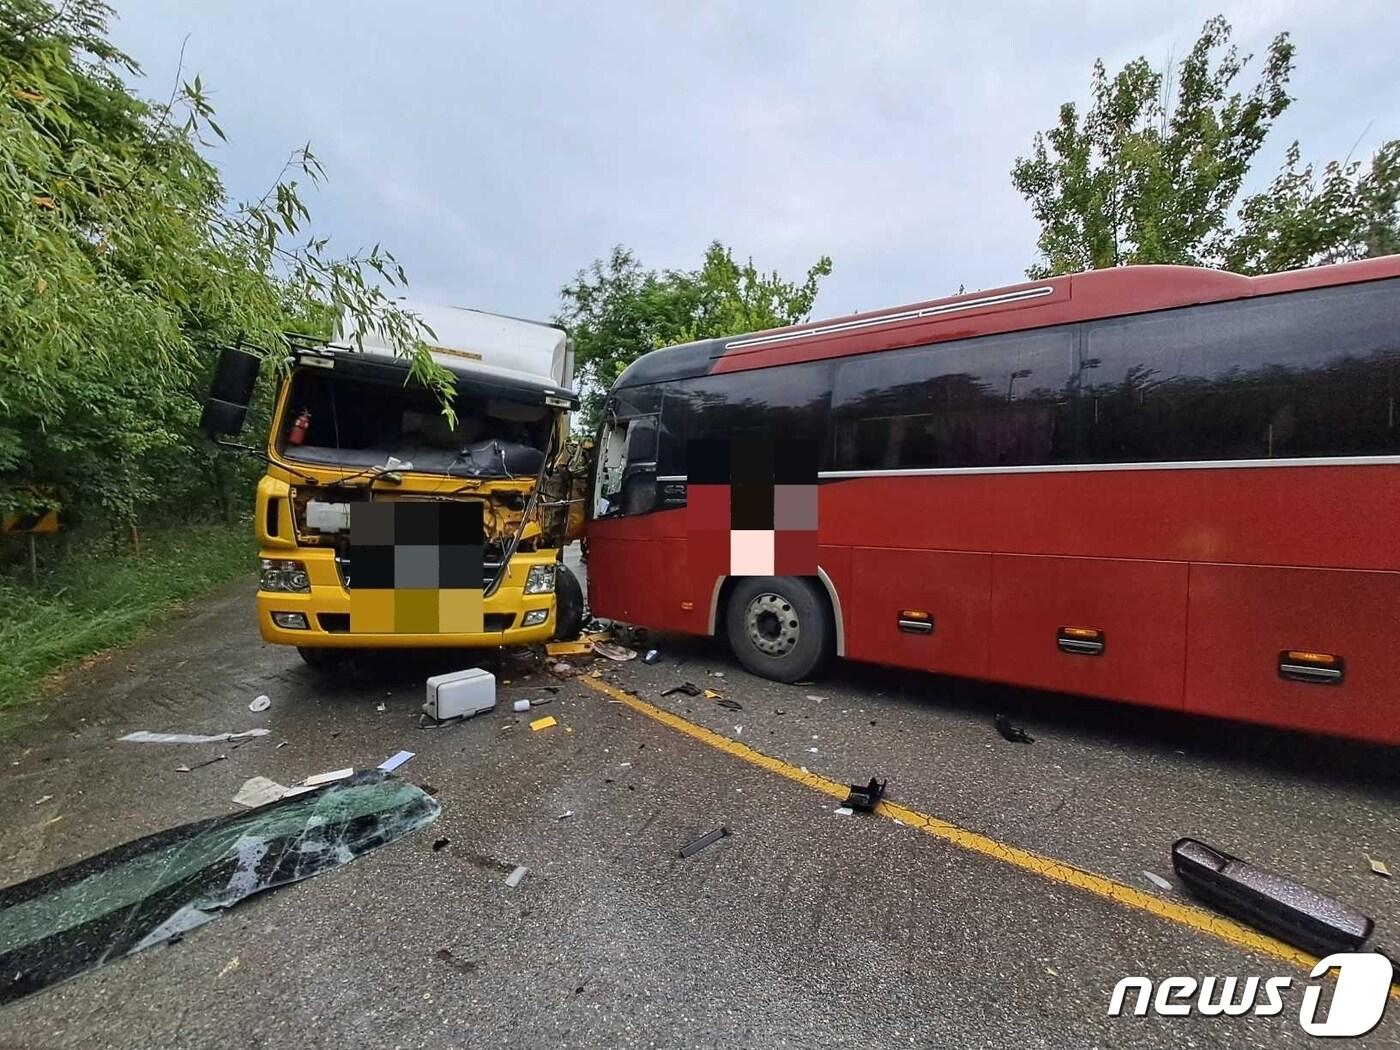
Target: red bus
1164, 485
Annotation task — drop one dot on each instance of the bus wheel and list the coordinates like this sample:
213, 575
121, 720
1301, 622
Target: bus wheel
779, 626
323, 661
568, 605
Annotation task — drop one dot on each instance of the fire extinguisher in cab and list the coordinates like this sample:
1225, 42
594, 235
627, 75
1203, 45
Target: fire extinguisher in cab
299, 428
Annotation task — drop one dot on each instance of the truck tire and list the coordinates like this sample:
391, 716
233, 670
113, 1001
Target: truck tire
568, 605
779, 626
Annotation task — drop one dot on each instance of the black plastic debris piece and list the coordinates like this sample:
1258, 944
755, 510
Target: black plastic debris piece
867, 795
704, 841
732, 705
441, 843
1282, 907
155, 889
1012, 732
685, 689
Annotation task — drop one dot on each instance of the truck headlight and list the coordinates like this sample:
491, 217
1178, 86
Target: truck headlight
540, 580
286, 576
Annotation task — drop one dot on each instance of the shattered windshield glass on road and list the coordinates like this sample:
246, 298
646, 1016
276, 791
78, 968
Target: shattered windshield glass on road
152, 890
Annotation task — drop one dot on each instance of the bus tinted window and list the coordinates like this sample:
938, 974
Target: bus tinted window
1304, 374
996, 401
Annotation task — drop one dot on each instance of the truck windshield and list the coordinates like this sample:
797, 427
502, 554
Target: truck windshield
353, 422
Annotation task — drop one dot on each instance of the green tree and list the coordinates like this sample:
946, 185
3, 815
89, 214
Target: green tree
1150, 172
617, 310
126, 266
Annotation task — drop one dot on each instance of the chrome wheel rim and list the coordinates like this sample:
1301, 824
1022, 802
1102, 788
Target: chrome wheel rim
772, 624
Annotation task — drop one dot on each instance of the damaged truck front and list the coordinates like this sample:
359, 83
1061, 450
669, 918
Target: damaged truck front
351, 432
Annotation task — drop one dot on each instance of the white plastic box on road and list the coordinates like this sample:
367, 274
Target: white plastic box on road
460, 694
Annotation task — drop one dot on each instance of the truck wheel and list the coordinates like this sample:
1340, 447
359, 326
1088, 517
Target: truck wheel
779, 626
568, 605
323, 661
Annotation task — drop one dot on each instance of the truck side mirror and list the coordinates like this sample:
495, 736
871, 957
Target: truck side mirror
231, 392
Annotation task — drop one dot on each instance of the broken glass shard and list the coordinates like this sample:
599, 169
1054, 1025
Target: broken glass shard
157, 888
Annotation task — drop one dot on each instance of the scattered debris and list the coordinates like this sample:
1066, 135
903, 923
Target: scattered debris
563, 669
229, 967
258, 791
328, 778
710, 694
1013, 733
613, 651
732, 705
651, 656
1279, 906
815, 698
513, 879
440, 844
460, 694
565, 815
460, 965
282, 745
260, 703
717, 674
812, 750
394, 761
685, 689
381, 707
520, 706
1377, 865
568, 648
843, 811
543, 723
865, 797
42, 799
205, 867
144, 737
542, 701
704, 841
200, 765
1156, 880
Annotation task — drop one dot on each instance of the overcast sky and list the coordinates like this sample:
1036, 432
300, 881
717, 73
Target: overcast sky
496, 148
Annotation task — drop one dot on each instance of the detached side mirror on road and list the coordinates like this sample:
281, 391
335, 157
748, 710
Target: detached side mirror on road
1297, 914
231, 392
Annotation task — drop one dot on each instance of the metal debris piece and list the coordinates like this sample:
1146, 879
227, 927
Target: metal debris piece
865, 797
1011, 732
1156, 880
651, 656
541, 701
612, 651
1377, 865
685, 689
565, 815
704, 841
513, 879
42, 799
394, 761
326, 778
259, 791
144, 737
543, 723
151, 890
260, 703
200, 765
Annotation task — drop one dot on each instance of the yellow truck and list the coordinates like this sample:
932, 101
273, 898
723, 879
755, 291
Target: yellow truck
353, 439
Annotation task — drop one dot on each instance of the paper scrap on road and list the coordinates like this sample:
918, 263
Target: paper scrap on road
144, 737
394, 761
513, 879
1377, 865
259, 791
1156, 880
543, 723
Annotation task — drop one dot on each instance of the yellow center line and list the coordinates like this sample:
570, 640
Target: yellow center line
1194, 918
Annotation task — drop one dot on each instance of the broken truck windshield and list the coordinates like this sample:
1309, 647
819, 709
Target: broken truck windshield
351, 422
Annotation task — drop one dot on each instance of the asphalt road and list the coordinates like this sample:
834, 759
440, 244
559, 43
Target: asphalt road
804, 928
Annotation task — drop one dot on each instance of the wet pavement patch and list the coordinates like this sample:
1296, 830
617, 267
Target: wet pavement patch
155, 889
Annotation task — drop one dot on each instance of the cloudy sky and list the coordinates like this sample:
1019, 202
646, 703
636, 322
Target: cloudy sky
499, 147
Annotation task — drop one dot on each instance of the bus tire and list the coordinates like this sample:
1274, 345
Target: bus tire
568, 605
323, 661
779, 626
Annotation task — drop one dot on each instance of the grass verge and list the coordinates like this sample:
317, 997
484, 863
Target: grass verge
96, 599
